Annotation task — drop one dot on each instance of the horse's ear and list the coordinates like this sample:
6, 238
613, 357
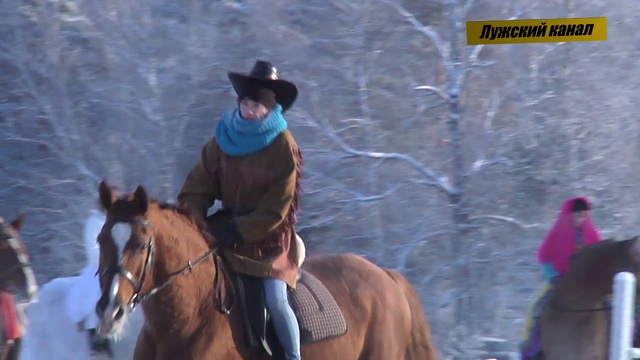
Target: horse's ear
141, 200
17, 223
106, 195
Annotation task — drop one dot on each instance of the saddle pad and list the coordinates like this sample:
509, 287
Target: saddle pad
318, 313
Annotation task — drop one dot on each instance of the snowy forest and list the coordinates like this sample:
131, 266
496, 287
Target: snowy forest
444, 161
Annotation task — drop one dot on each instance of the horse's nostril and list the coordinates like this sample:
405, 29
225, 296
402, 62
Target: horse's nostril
119, 314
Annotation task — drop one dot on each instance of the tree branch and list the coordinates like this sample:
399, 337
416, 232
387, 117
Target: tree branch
481, 164
407, 249
366, 198
465, 8
504, 219
440, 181
435, 90
472, 60
443, 48
481, 159
547, 95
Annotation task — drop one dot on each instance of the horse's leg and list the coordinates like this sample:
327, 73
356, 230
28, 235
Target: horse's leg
389, 333
14, 350
420, 344
145, 346
388, 336
4, 350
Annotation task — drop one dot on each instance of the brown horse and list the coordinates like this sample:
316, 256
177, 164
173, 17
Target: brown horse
16, 278
575, 321
160, 256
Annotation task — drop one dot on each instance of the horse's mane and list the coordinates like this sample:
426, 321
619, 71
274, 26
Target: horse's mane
4, 226
188, 215
606, 248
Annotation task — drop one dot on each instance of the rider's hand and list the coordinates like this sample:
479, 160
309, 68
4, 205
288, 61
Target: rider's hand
227, 236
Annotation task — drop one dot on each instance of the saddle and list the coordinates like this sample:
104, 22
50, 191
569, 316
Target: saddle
318, 314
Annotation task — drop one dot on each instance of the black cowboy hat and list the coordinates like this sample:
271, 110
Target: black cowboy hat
265, 75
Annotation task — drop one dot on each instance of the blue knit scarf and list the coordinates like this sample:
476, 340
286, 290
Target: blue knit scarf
237, 136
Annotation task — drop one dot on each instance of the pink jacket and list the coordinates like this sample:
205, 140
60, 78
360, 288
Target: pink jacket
560, 243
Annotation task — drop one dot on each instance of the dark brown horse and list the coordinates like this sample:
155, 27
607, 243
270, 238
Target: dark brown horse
160, 256
575, 320
17, 278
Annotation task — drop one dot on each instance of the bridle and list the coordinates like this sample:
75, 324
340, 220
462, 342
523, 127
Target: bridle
21, 264
138, 297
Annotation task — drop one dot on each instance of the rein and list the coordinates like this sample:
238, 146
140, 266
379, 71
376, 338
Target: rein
138, 297
563, 309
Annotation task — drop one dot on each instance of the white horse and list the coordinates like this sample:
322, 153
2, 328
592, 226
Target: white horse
83, 296
51, 335
57, 323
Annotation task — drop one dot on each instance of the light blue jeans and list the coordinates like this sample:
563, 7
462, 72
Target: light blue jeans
284, 320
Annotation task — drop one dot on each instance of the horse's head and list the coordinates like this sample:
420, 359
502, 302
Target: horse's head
16, 274
631, 260
126, 255
602, 260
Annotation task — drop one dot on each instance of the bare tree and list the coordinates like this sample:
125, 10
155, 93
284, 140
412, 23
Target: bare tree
421, 153
463, 244
104, 92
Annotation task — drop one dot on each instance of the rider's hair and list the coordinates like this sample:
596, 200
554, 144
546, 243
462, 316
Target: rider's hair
580, 205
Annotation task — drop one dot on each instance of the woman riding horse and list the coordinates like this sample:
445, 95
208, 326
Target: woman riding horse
252, 166
573, 229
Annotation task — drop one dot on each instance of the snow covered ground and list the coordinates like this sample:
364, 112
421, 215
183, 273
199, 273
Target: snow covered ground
51, 335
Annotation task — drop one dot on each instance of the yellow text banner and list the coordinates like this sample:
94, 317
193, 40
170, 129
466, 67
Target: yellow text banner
491, 32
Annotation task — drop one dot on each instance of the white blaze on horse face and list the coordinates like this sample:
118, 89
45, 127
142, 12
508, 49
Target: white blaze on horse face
109, 324
121, 233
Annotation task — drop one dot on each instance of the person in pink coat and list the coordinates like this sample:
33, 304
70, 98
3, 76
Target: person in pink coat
573, 229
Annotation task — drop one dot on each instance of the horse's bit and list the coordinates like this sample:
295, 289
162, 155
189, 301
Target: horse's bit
137, 297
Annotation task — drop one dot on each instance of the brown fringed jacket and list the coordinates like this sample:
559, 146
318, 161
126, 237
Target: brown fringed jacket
260, 193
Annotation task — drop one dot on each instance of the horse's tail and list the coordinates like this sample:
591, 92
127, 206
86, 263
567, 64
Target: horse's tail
420, 343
